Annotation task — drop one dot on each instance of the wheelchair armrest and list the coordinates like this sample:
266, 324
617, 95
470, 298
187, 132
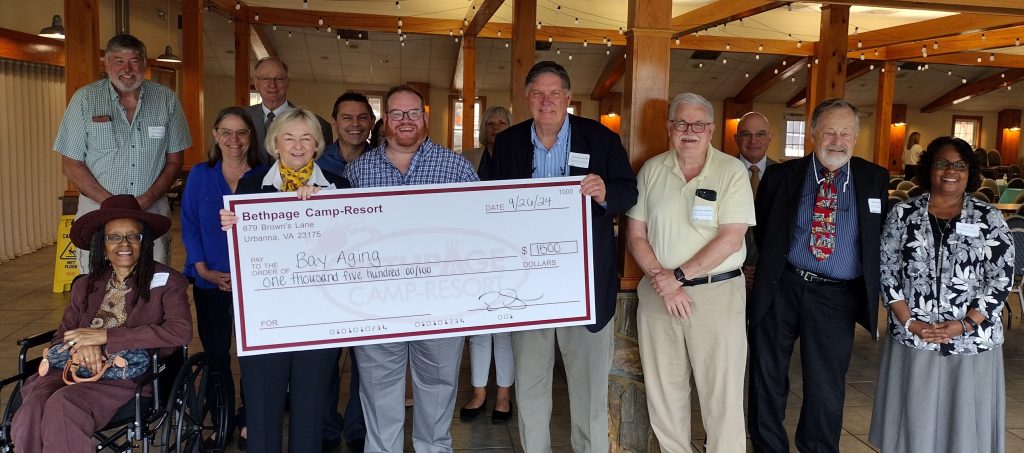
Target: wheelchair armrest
37, 339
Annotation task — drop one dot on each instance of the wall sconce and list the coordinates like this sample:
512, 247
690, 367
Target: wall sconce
55, 30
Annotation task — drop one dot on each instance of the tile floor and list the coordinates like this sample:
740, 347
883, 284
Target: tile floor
27, 306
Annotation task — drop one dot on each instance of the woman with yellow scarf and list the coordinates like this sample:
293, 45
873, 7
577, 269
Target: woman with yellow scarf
295, 141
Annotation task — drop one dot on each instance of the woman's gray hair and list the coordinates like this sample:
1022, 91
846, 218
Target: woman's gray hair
492, 112
295, 114
692, 99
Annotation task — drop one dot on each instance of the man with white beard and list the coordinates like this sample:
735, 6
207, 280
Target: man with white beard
123, 135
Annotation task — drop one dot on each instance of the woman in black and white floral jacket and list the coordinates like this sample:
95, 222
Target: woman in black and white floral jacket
947, 267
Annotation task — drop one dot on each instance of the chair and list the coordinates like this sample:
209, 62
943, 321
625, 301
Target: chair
981, 196
905, 186
981, 157
994, 158
989, 192
1018, 273
1013, 171
189, 403
1015, 183
1019, 199
893, 201
991, 184
894, 183
917, 190
900, 194
1015, 221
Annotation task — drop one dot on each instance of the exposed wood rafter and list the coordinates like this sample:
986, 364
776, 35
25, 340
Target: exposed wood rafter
994, 39
613, 71
854, 70
720, 12
975, 89
931, 29
767, 78
479, 14
1002, 60
259, 38
1004, 7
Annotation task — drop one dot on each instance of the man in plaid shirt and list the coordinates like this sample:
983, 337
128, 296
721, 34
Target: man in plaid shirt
408, 158
123, 135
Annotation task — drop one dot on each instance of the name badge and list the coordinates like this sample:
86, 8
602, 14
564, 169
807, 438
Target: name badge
968, 229
159, 279
702, 212
579, 160
157, 132
875, 205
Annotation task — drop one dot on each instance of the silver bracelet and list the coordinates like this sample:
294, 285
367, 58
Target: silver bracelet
906, 325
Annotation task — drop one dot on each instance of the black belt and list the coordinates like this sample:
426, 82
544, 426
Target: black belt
712, 278
811, 277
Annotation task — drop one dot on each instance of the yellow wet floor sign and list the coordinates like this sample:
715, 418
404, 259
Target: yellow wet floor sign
65, 267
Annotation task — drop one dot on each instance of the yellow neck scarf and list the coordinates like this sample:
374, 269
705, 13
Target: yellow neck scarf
293, 179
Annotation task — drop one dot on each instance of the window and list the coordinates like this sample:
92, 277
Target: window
455, 119
255, 98
575, 108
968, 128
795, 133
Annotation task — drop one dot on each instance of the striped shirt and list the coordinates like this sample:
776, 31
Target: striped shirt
844, 263
124, 157
432, 164
554, 162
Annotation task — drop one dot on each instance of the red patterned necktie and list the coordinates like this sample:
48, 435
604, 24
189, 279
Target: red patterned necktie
823, 219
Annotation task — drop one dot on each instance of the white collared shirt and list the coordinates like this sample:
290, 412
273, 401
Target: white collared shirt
278, 111
761, 166
273, 178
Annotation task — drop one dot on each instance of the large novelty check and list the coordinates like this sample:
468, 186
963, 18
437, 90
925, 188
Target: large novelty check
363, 266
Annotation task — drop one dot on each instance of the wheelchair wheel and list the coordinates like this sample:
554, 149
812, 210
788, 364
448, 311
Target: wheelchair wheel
197, 408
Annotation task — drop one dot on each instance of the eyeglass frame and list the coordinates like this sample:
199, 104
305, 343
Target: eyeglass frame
277, 80
405, 113
689, 126
118, 239
238, 133
943, 165
747, 136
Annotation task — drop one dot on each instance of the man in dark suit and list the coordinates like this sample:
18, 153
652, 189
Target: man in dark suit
552, 144
753, 135
270, 77
819, 220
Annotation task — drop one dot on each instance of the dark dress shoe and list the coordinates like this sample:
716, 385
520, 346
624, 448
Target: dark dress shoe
466, 414
500, 417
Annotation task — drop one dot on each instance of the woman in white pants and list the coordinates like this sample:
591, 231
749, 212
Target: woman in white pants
504, 371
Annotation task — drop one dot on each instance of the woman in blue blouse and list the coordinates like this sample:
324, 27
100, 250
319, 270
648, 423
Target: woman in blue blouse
947, 267
206, 245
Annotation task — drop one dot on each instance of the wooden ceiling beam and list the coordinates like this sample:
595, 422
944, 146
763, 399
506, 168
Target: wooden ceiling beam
931, 29
479, 14
975, 89
1002, 7
720, 12
854, 70
1003, 60
1005, 37
259, 39
744, 45
767, 78
15, 45
613, 71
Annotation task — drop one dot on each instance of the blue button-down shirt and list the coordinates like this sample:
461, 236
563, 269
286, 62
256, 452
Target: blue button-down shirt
554, 162
201, 235
432, 164
844, 262
331, 160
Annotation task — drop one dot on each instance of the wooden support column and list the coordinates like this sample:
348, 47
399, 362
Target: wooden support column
828, 73
81, 46
192, 81
468, 92
1008, 135
897, 139
731, 113
645, 106
524, 36
883, 113
242, 43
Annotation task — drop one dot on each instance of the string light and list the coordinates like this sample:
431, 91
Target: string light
924, 51
607, 52
305, 4
398, 5
757, 56
677, 41
982, 36
784, 62
338, 36
538, 25
570, 57
862, 56
275, 27
725, 60
320, 21
815, 61
558, 9
400, 25
792, 79
776, 70
876, 52
499, 33
860, 44
700, 65
584, 43
238, 5
1016, 42
883, 69
621, 31
855, 30
558, 51
727, 46
257, 17
871, 67
746, 75
289, 34
550, 39
979, 59
506, 44
329, 29
926, 66
935, 45
964, 81
799, 44
760, 47
991, 57
576, 21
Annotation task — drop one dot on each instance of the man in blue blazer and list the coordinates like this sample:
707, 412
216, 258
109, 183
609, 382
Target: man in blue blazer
552, 144
819, 223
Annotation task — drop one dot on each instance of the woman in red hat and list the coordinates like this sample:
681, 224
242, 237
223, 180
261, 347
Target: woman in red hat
127, 301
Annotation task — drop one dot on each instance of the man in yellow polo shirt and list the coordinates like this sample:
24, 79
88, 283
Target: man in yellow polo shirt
686, 232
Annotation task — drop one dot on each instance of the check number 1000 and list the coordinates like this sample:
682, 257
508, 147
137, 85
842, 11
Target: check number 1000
551, 248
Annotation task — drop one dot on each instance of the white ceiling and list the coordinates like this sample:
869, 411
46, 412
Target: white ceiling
317, 56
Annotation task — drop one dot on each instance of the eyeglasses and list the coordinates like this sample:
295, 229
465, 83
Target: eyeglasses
682, 126
397, 115
943, 165
227, 133
278, 79
746, 136
115, 239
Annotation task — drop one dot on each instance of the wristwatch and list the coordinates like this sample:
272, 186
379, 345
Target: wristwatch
680, 276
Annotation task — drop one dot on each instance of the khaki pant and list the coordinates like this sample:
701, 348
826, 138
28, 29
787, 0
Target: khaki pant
710, 346
161, 247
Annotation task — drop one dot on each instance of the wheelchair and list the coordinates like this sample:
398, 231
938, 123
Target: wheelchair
188, 404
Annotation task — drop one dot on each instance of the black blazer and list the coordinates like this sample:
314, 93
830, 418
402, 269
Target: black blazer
252, 182
778, 197
513, 159
259, 120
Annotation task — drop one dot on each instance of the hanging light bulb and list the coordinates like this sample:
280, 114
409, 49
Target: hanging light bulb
979, 59
815, 61
465, 22
329, 30
862, 56
456, 39
538, 25
257, 17
338, 36
871, 67
1002, 76
570, 57
776, 70
991, 57
725, 60
238, 5
926, 66
399, 30
499, 33
400, 23
506, 44
855, 30
274, 27
860, 44
677, 41
550, 39
305, 4
792, 79
982, 36
935, 45
607, 52
799, 44
963, 81
950, 73
558, 51
558, 9
746, 75
398, 5
727, 46
231, 19
320, 21
883, 69
700, 65
621, 31
289, 34
576, 21
924, 51
757, 56
876, 52
760, 47
1016, 42
584, 43
784, 62
346, 41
